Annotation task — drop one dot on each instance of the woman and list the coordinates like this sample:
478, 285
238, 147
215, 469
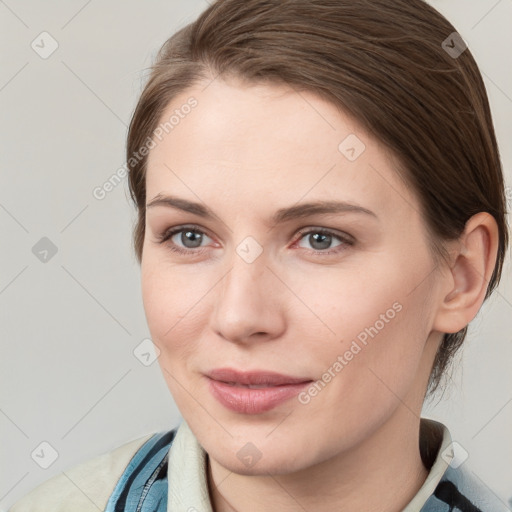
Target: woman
321, 214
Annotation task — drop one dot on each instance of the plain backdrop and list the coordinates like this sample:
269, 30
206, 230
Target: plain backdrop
71, 317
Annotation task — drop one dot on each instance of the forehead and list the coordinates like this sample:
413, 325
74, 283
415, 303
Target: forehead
252, 143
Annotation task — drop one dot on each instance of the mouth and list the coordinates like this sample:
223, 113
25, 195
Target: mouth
253, 392
255, 378
250, 386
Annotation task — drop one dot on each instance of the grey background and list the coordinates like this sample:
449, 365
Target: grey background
69, 325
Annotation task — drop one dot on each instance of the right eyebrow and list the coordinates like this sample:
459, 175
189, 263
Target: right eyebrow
181, 204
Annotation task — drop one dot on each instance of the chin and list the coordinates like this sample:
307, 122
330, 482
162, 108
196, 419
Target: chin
270, 465
255, 459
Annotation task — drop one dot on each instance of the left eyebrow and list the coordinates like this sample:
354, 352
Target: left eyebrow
318, 208
297, 211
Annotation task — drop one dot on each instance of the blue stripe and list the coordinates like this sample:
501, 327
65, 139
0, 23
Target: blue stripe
459, 491
143, 485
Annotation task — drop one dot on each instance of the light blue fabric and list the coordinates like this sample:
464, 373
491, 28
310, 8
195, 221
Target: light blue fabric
143, 485
460, 491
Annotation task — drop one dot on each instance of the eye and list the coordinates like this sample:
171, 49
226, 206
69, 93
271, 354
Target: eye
321, 239
190, 236
188, 240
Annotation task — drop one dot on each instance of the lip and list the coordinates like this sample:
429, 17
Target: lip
254, 377
230, 388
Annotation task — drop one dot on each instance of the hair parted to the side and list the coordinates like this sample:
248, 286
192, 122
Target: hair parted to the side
382, 63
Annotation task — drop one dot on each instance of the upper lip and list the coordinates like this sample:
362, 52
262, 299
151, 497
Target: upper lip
254, 377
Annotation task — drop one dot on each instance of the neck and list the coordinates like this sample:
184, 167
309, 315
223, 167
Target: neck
382, 474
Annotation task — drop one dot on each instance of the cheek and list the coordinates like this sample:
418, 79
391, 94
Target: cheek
344, 302
364, 376
377, 324
174, 301
175, 329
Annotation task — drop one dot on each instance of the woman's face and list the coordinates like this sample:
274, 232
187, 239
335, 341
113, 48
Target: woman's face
345, 300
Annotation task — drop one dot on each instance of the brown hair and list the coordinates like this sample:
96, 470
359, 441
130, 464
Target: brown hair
388, 64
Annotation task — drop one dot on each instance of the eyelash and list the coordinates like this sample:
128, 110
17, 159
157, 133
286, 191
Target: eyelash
166, 235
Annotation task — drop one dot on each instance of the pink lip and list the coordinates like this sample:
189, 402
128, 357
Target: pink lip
229, 387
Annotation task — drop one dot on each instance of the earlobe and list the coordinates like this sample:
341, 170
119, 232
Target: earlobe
468, 277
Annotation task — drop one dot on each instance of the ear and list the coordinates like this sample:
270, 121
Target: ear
471, 268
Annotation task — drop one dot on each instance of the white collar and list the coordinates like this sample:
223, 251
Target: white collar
188, 483
186, 474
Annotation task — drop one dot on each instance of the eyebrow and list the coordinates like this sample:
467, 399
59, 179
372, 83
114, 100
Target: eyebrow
297, 211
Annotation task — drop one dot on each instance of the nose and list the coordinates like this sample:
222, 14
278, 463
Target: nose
249, 302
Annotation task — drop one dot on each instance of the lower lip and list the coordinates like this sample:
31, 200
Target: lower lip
253, 400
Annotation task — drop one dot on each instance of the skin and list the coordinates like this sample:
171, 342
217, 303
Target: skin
246, 151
